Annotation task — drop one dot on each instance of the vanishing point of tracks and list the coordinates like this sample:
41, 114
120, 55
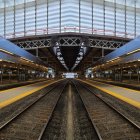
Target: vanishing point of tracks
69, 120
69, 111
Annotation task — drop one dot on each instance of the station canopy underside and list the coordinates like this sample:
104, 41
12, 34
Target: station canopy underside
128, 56
13, 56
70, 51
69, 35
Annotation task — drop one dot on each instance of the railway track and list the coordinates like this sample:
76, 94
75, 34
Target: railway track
56, 128
73, 126
84, 129
69, 111
29, 123
110, 124
10, 112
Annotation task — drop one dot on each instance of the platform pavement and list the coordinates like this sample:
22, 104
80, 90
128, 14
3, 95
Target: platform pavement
125, 94
10, 96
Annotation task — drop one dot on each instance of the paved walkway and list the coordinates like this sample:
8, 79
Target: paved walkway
128, 95
12, 95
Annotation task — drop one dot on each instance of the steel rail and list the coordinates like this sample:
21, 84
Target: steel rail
27, 107
94, 125
43, 129
112, 107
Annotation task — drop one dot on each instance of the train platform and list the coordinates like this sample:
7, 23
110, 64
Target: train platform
127, 95
10, 96
132, 85
13, 83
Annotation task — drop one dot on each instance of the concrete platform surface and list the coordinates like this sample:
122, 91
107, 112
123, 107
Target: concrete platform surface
127, 95
12, 95
133, 84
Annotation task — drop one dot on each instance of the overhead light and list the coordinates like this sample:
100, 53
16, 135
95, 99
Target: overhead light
133, 51
7, 61
79, 58
60, 58
113, 59
134, 60
26, 59
6, 51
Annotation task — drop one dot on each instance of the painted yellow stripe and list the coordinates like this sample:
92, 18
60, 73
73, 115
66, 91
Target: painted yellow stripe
12, 100
125, 99
132, 90
2, 91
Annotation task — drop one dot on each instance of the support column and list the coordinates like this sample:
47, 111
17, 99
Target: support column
18, 73
138, 75
130, 75
113, 75
24, 74
121, 75
1, 75
9, 72
102, 52
36, 52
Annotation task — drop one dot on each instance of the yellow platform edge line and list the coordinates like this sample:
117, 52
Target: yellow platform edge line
115, 86
12, 100
3, 91
125, 99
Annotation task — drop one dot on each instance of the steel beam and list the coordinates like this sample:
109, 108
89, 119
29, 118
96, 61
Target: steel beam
68, 41
105, 44
34, 44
